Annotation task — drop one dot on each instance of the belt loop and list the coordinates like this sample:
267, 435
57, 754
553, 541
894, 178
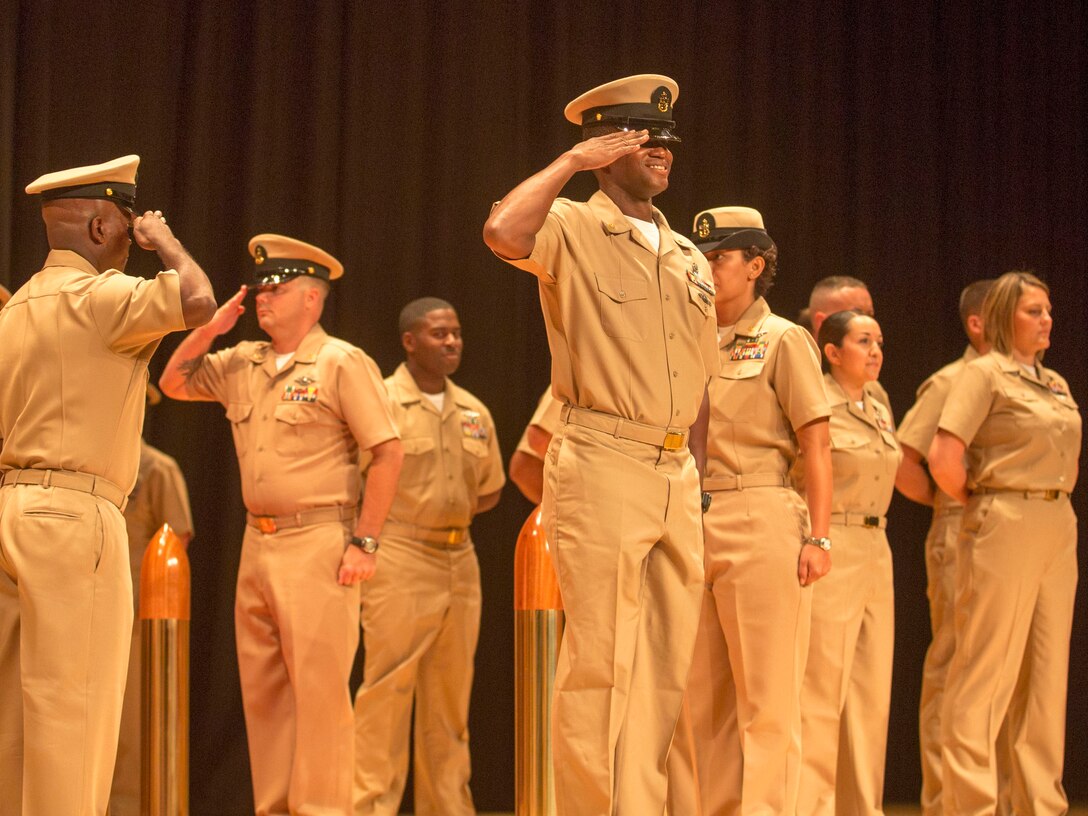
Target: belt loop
740, 482
47, 479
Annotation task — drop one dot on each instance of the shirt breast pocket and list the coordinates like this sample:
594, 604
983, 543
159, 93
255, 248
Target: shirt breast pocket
239, 414
623, 306
295, 425
1023, 405
418, 460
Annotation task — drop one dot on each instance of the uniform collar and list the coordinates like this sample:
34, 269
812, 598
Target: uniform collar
70, 258
751, 321
1009, 366
837, 396
970, 353
262, 353
614, 222
408, 393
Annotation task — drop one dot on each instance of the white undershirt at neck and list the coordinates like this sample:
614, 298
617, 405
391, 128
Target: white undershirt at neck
437, 400
650, 229
724, 330
282, 359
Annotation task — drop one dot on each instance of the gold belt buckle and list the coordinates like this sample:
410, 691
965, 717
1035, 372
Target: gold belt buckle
1051, 495
454, 537
871, 521
266, 524
674, 440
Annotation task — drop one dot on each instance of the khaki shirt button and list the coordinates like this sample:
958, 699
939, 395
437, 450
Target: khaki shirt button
264, 416
668, 297
677, 412
672, 335
676, 373
623, 294
260, 448
1061, 478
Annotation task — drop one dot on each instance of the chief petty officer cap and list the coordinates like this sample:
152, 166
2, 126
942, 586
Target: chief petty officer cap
113, 181
278, 259
640, 102
729, 228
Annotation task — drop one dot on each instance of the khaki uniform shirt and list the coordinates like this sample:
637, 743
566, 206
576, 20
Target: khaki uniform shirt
450, 460
631, 330
545, 417
160, 497
74, 347
1022, 430
298, 431
864, 453
920, 424
769, 385
875, 390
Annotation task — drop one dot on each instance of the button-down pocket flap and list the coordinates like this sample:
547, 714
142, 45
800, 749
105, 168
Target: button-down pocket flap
294, 414
477, 447
620, 289
889, 438
1066, 401
1019, 394
847, 440
239, 411
418, 444
741, 370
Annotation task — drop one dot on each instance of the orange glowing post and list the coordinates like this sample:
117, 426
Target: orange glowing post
164, 614
538, 633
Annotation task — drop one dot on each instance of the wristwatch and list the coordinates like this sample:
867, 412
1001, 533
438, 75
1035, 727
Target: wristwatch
367, 544
823, 543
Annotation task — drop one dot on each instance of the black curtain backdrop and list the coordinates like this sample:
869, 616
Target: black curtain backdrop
918, 146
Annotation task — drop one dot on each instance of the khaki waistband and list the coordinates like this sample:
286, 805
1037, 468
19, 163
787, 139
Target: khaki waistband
449, 536
668, 438
1045, 495
69, 480
743, 481
859, 520
303, 518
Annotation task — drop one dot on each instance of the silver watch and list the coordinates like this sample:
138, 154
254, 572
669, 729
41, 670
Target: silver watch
823, 543
367, 544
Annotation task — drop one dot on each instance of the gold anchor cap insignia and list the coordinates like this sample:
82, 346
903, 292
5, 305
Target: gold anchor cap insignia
704, 227
259, 254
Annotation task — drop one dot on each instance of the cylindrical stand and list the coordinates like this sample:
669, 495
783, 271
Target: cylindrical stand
538, 632
164, 616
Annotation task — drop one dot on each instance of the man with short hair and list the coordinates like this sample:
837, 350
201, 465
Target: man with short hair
75, 341
913, 481
301, 407
421, 612
628, 306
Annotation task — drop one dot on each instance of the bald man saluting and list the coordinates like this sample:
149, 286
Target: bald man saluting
75, 341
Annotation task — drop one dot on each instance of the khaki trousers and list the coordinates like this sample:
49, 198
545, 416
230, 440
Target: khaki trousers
421, 622
847, 688
625, 519
65, 623
1016, 578
744, 689
297, 631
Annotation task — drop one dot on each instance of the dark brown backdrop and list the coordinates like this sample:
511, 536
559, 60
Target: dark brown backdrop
918, 148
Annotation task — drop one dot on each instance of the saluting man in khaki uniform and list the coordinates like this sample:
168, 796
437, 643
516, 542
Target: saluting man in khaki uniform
916, 434
628, 306
837, 293
764, 543
527, 463
74, 345
846, 694
421, 612
159, 497
301, 408
1016, 558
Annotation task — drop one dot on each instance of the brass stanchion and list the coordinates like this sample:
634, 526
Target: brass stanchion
164, 616
538, 632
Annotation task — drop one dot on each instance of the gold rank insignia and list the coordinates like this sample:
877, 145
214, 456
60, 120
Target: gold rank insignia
664, 99
304, 389
704, 227
259, 255
748, 350
472, 425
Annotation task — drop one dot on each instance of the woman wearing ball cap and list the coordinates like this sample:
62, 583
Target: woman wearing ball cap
764, 543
